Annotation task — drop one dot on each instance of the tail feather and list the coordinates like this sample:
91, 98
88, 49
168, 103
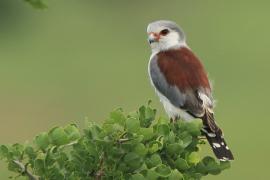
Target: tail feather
215, 137
218, 144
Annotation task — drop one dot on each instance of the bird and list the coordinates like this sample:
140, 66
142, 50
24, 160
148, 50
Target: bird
181, 83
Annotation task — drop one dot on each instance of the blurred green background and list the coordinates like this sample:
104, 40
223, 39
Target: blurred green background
84, 58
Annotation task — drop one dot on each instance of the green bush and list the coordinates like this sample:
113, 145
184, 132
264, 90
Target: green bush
126, 146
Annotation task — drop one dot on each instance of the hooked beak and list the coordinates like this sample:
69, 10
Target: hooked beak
153, 37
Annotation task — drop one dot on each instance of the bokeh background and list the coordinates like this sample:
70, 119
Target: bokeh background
82, 59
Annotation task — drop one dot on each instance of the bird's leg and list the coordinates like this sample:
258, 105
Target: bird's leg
173, 119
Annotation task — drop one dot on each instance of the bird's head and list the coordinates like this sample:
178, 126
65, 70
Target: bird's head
164, 35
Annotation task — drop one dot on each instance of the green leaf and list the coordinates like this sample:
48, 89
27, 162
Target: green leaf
225, 165
12, 166
62, 159
30, 152
149, 114
171, 137
194, 158
17, 151
153, 161
54, 173
42, 140
3, 151
176, 175
131, 157
39, 166
181, 164
122, 167
72, 132
116, 152
133, 160
147, 133
91, 149
154, 146
58, 136
194, 127
94, 131
117, 127
133, 125
146, 115
140, 149
175, 148
152, 175
201, 168
108, 128
163, 129
118, 117
187, 140
211, 165
163, 171
137, 177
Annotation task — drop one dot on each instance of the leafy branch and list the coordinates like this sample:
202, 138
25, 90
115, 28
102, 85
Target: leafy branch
134, 146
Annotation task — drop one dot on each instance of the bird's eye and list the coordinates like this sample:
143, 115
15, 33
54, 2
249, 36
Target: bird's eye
164, 32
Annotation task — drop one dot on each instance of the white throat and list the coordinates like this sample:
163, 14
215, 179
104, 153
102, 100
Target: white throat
172, 41
157, 47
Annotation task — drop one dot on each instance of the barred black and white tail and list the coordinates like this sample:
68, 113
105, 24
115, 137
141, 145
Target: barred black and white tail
215, 138
218, 144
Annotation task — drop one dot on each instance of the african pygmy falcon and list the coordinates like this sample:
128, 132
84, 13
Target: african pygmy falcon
181, 82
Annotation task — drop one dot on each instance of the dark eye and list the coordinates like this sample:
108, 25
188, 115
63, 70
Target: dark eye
164, 32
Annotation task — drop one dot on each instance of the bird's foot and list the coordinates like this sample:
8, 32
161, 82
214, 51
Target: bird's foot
173, 120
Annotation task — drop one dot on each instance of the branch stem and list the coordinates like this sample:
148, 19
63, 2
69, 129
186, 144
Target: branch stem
25, 171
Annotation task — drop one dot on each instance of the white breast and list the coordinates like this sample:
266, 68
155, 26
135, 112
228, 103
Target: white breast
172, 111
